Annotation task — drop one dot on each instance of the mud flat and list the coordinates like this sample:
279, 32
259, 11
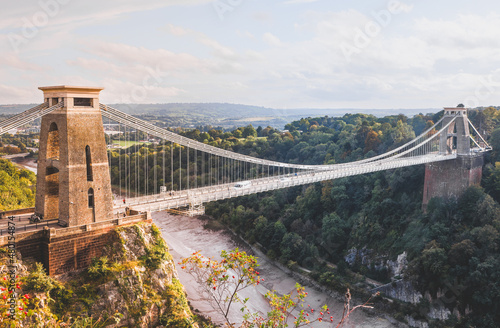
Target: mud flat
185, 235
27, 163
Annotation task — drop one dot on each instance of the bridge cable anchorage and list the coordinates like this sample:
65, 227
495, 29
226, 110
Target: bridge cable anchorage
134, 122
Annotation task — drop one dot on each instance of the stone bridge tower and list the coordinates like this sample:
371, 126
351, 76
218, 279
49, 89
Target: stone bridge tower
449, 179
73, 182
457, 137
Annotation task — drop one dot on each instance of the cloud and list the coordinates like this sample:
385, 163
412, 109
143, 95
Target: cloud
126, 62
137, 74
12, 61
245, 34
27, 24
218, 49
177, 30
11, 95
272, 40
293, 60
120, 91
64, 11
262, 16
464, 33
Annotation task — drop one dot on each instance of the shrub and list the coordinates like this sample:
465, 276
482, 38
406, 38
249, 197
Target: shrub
39, 281
99, 268
155, 255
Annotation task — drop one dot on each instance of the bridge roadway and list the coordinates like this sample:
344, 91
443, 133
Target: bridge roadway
203, 195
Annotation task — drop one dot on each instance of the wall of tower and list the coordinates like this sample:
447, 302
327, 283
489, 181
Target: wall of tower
449, 179
85, 129
65, 189
47, 203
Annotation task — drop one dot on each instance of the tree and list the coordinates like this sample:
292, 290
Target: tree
402, 133
495, 144
334, 234
222, 280
372, 141
461, 252
291, 247
492, 182
249, 131
237, 133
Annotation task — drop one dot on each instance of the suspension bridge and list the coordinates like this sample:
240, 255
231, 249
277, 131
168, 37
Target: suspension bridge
170, 171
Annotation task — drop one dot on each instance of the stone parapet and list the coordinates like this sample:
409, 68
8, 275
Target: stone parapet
28, 210
67, 249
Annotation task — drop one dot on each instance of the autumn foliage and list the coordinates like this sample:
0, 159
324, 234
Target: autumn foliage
222, 280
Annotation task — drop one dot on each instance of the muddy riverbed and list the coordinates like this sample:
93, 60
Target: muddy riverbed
23, 161
185, 235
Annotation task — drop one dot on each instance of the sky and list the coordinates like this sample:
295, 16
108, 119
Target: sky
283, 54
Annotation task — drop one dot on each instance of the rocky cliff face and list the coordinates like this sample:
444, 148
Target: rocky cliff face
368, 258
135, 277
401, 289
145, 287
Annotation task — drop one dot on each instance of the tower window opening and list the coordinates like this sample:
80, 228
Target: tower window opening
88, 160
91, 197
86, 102
53, 141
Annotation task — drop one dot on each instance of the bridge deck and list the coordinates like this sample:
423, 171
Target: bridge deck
223, 191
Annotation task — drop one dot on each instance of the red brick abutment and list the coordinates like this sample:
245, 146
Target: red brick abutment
449, 179
67, 249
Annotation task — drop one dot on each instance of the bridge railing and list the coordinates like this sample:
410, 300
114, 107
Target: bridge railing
30, 226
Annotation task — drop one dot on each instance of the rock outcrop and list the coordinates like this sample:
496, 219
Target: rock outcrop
134, 280
401, 289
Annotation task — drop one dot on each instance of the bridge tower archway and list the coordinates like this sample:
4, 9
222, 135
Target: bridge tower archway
73, 158
457, 138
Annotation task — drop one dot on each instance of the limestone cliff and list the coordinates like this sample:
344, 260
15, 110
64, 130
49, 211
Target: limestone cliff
144, 287
135, 277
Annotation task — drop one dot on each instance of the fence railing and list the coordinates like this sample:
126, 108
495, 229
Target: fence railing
29, 226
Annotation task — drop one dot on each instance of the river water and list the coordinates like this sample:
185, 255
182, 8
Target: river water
185, 235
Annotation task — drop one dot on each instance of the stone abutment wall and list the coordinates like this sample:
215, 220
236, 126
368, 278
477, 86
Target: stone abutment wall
67, 249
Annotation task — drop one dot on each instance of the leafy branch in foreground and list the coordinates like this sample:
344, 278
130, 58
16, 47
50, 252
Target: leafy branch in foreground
222, 280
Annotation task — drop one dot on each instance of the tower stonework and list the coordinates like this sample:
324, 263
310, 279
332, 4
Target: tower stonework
449, 179
73, 182
457, 137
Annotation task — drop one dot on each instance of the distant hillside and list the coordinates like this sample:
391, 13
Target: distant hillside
229, 115
15, 108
